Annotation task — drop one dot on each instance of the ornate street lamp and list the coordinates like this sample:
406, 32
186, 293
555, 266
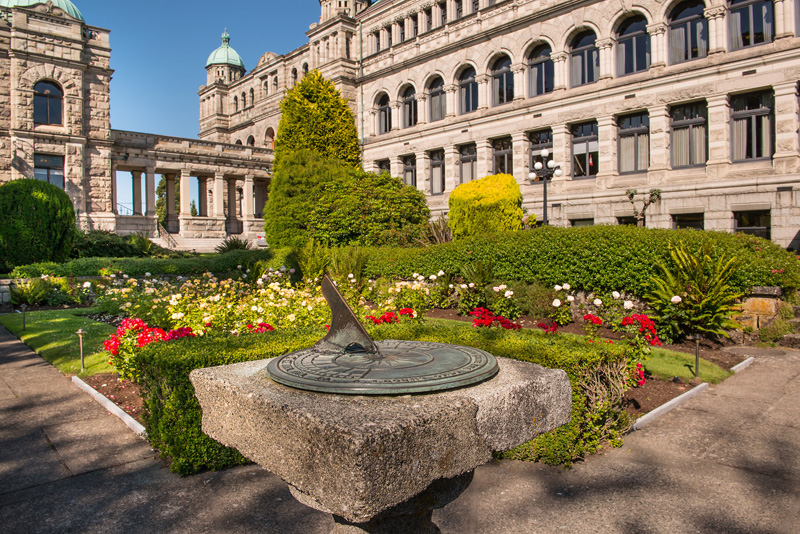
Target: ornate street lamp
545, 173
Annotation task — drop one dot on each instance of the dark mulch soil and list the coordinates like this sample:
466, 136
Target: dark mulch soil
113, 320
123, 393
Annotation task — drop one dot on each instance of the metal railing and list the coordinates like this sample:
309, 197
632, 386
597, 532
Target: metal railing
122, 209
167, 237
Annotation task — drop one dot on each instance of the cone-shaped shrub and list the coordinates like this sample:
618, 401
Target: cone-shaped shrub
491, 204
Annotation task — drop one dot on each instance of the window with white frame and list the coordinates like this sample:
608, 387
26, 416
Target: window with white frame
584, 149
633, 46
538, 141
410, 170
468, 162
502, 82
634, 142
442, 13
750, 23
438, 99
384, 115
689, 131
541, 71
688, 32
414, 26
467, 91
502, 156
585, 59
409, 108
752, 123
437, 172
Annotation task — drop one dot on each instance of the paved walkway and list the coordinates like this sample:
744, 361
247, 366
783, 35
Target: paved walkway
727, 461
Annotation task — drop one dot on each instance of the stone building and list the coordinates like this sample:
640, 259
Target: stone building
696, 98
55, 126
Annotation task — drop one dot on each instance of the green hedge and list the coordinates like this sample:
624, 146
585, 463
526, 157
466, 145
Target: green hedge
173, 416
155, 266
596, 258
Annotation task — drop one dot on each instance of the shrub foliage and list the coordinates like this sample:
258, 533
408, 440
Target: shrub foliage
37, 223
491, 204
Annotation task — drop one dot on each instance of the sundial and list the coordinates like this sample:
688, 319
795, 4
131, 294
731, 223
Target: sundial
347, 361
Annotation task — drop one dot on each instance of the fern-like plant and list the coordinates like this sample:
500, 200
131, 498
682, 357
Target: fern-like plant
233, 242
693, 294
30, 292
313, 259
480, 273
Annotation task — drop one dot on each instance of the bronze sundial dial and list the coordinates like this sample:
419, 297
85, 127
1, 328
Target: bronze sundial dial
348, 362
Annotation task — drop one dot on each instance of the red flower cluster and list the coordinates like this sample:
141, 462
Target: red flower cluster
484, 317
552, 329
144, 335
386, 318
179, 333
407, 311
111, 345
260, 328
595, 320
646, 327
130, 324
149, 335
638, 375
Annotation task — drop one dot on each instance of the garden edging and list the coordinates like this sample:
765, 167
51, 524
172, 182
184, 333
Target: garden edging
133, 424
667, 407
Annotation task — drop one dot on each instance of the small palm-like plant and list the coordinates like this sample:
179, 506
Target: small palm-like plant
694, 294
314, 259
233, 242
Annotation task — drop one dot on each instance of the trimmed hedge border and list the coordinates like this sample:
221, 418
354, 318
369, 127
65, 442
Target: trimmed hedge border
596, 258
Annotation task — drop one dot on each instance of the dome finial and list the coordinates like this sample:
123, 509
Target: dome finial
226, 39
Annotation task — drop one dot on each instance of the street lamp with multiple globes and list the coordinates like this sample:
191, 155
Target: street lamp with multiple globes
545, 172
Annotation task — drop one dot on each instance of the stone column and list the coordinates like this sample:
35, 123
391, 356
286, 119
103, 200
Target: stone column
248, 197
786, 127
261, 192
483, 90
607, 151
372, 124
136, 177
606, 51
172, 217
484, 153
519, 156
396, 115
717, 29
452, 176
202, 196
150, 191
186, 193
113, 189
218, 209
423, 173
789, 20
659, 138
780, 18
561, 80
658, 44
719, 134
396, 166
451, 95
422, 108
562, 153
232, 215
520, 81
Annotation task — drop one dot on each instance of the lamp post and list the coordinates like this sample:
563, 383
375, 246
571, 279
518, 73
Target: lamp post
81, 333
545, 172
23, 308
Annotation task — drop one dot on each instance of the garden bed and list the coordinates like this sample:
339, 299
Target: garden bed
124, 394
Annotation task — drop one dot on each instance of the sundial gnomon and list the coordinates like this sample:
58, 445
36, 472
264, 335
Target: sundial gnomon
348, 361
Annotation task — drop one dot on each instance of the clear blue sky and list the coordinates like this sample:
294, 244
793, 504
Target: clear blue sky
159, 51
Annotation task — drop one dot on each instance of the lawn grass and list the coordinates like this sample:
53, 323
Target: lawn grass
51, 334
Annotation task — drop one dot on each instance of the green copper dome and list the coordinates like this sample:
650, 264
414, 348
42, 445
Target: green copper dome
66, 5
225, 55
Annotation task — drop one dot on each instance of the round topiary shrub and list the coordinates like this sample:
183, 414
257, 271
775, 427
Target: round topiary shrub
37, 223
489, 205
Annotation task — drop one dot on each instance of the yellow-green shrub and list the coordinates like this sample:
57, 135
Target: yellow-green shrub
491, 204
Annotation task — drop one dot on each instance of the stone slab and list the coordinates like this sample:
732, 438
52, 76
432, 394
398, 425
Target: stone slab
357, 456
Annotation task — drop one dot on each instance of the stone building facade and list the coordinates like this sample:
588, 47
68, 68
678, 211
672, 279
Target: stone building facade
55, 125
697, 98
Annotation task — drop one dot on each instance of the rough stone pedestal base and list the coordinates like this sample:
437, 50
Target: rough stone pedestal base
412, 516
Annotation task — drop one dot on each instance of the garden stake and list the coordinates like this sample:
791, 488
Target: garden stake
80, 333
23, 308
696, 338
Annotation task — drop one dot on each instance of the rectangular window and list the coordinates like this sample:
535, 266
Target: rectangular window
428, 19
750, 24
689, 134
695, 221
468, 163
502, 156
410, 170
630, 221
437, 172
751, 116
634, 143
49, 169
459, 9
384, 166
402, 28
475, 6
414, 26
756, 223
540, 140
443, 14
376, 38
581, 222
388, 30
584, 150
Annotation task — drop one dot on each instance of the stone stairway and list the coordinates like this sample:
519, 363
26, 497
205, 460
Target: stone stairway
190, 244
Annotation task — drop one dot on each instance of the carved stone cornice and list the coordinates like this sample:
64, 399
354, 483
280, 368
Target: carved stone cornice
715, 12
604, 43
657, 28
558, 57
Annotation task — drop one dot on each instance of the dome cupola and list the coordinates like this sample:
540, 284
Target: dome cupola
225, 55
65, 5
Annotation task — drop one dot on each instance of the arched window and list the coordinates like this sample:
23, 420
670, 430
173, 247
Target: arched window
541, 71
244, 100
751, 23
633, 46
294, 76
252, 97
275, 84
502, 82
688, 32
409, 108
235, 104
305, 70
251, 141
438, 99
269, 138
468, 91
384, 115
585, 59
48, 102
238, 142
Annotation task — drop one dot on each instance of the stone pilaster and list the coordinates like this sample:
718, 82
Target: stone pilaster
137, 192
717, 29
219, 194
658, 44
520, 81
451, 95
150, 191
562, 152
607, 151
659, 138
452, 176
247, 197
186, 197
485, 158
606, 50
786, 127
561, 80
483, 90
719, 134
519, 158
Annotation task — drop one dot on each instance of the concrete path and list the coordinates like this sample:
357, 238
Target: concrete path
727, 461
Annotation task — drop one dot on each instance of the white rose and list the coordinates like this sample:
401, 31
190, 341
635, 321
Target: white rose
350, 275
471, 284
238, 266
557, 288
432, 277
567, 287
503, 287
415, 275
676, 299
463, 286
557, 303
615, 294
509, 294
570, 298
597, 302
628, 305
87, 285
496, 289
112, 276
441, 273
451, 286
147, 275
